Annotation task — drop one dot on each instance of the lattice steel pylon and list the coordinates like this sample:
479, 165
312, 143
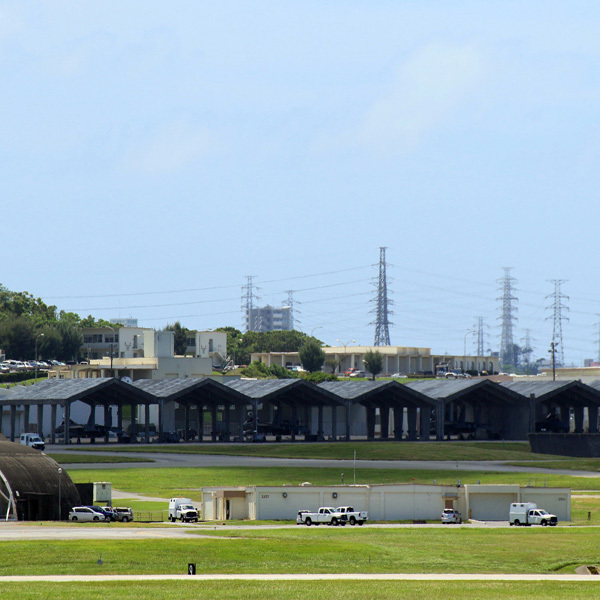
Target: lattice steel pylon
290, 303
382, 312
507, 317
248, 297
527, 349
557, 317
479, 329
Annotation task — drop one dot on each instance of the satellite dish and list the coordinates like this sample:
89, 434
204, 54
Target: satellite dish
126, 379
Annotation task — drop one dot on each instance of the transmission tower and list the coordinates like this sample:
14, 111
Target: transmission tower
382, 323
558, 307
507, 317
290, 303
479, 329
527, 349
248, 297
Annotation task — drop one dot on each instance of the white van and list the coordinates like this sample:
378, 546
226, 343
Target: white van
33, 440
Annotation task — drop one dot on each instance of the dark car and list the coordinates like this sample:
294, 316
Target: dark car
106, 511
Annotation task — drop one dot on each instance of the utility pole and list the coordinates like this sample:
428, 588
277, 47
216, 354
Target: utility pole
553, 351
557, 317
507, 317
598, 338
382, 312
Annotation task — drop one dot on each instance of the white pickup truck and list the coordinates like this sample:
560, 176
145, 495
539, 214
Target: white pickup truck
527, 513
353, 516
325, 514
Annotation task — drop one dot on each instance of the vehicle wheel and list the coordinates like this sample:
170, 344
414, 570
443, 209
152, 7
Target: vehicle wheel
96, 518
361, 523
73, 518
124, 519
517, 522
544, 523
308, 521
195, 520
352, 521
334, 522
342, 523
460, 521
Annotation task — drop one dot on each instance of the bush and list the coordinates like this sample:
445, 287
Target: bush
318, 377
16, 377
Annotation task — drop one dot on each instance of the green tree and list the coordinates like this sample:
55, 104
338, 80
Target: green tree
373, 362
17, 337
180, 337
72, 339
312, 356
332, 365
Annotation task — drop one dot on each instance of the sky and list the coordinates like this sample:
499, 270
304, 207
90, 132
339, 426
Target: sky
154, 155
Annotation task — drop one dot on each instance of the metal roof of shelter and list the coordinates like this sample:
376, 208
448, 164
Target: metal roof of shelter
455, 389
191, 389
31, 474
273, 390
58, 391
365, 391
573, 390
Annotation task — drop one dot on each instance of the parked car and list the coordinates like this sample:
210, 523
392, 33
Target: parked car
123, 514
107, 511
86, 514
349, 371
451, 516
358, 374
399, 376
353, 516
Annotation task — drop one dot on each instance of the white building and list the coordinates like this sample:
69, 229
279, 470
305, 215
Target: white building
389, 502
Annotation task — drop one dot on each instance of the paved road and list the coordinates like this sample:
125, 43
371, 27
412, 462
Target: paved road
217, 460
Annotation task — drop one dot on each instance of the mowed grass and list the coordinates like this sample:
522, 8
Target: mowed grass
316, 550
293, 590
426, 451
189, 481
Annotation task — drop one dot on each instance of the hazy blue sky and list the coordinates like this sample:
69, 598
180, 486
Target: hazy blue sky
154, 154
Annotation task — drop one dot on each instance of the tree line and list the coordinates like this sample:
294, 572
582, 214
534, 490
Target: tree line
26, 321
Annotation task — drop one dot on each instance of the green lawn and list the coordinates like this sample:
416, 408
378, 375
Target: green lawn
293, 590
318, 550
426, 451
188, 481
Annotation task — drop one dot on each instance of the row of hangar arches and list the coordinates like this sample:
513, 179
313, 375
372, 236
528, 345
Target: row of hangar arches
206, 409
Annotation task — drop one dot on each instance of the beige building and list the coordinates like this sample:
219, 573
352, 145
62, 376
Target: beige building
396, 359
390, 502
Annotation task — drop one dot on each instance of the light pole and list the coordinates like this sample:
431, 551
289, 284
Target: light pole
553, 351
350, 342
111, 350
36, 355
465, 348
59, 494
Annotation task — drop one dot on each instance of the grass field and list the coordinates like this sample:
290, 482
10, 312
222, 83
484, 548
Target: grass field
505, 451
318, 590
317, 550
